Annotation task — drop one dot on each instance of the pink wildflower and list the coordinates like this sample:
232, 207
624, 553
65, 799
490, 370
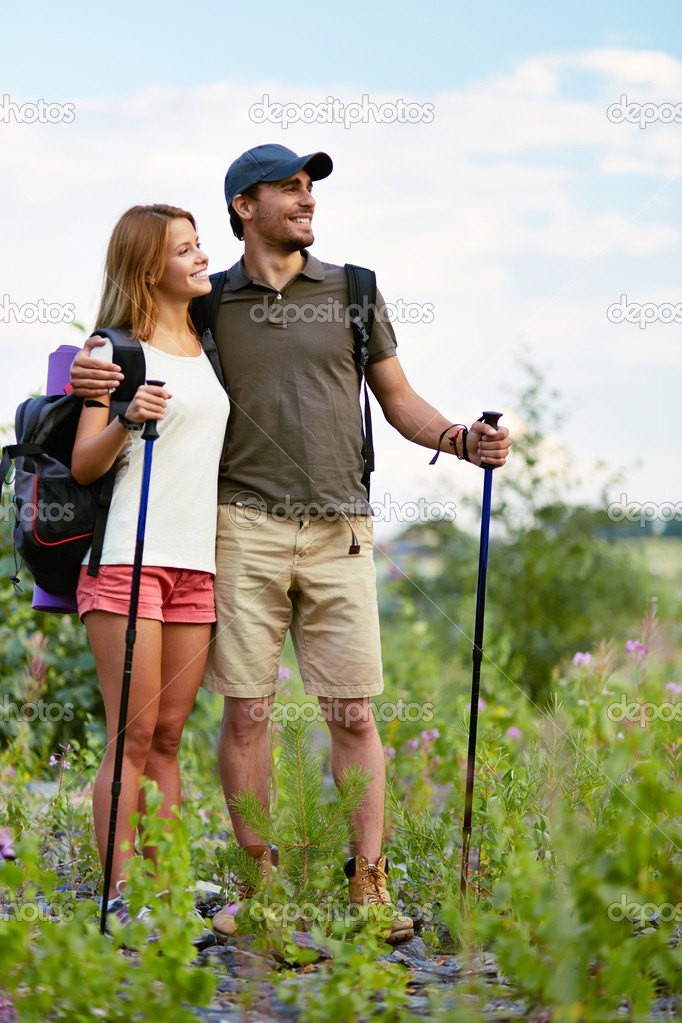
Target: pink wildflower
8, 1014
57, 757
283, 673
581, 660
514, 733
6, 850
633, 646
429, 736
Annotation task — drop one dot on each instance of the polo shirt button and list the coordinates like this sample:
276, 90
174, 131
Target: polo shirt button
279, 296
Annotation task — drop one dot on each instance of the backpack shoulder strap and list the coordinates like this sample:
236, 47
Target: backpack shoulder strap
204, 310
103, 504
129, 356
362, 295
209, 347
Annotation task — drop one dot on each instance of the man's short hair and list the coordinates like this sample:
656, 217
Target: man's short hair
235, 219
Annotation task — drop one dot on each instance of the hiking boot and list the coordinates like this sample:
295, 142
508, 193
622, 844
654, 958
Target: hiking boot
367, 888
267, 858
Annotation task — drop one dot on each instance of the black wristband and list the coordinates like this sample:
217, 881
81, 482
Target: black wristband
465, 453
131, 427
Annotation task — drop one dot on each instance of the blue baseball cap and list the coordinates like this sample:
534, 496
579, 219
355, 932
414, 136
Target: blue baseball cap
272, 163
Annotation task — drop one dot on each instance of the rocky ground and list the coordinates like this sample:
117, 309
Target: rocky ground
253, 983
240, 965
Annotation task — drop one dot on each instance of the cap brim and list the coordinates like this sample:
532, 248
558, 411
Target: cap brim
318, 166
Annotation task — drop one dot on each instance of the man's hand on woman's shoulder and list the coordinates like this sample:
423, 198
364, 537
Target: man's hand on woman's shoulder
91, 378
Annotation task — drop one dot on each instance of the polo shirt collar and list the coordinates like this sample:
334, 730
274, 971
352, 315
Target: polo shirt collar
312, 269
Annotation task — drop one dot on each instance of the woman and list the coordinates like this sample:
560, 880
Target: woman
154, 267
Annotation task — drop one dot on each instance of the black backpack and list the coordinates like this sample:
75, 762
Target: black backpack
362, 295
56, 518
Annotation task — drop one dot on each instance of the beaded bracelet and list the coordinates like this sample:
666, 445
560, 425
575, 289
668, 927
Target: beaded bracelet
451, 440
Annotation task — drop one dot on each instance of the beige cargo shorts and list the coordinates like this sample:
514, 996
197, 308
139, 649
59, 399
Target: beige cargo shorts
276, 574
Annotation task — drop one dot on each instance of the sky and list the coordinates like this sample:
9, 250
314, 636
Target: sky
512, 173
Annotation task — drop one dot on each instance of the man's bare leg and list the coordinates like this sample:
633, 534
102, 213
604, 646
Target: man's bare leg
355, 740
245, 756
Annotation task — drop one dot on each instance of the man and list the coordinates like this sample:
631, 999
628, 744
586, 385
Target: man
294, 547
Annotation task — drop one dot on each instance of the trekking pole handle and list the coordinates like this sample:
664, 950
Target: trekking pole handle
490, 419
150, 432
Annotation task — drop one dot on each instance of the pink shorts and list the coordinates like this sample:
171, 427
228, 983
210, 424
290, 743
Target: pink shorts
166, 594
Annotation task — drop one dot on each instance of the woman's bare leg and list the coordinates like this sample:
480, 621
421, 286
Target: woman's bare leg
184, 650
106, 633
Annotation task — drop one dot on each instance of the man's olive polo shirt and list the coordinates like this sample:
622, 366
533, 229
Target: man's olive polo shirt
295, 429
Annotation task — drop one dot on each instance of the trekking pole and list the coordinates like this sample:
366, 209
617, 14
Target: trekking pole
491, 419
149, 435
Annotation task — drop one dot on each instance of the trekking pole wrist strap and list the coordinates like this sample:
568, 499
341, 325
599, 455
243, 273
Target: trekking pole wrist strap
451, 440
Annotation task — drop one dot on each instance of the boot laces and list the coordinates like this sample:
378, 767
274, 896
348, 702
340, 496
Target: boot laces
376, 882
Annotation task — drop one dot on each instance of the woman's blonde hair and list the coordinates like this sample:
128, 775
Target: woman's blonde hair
136, 256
